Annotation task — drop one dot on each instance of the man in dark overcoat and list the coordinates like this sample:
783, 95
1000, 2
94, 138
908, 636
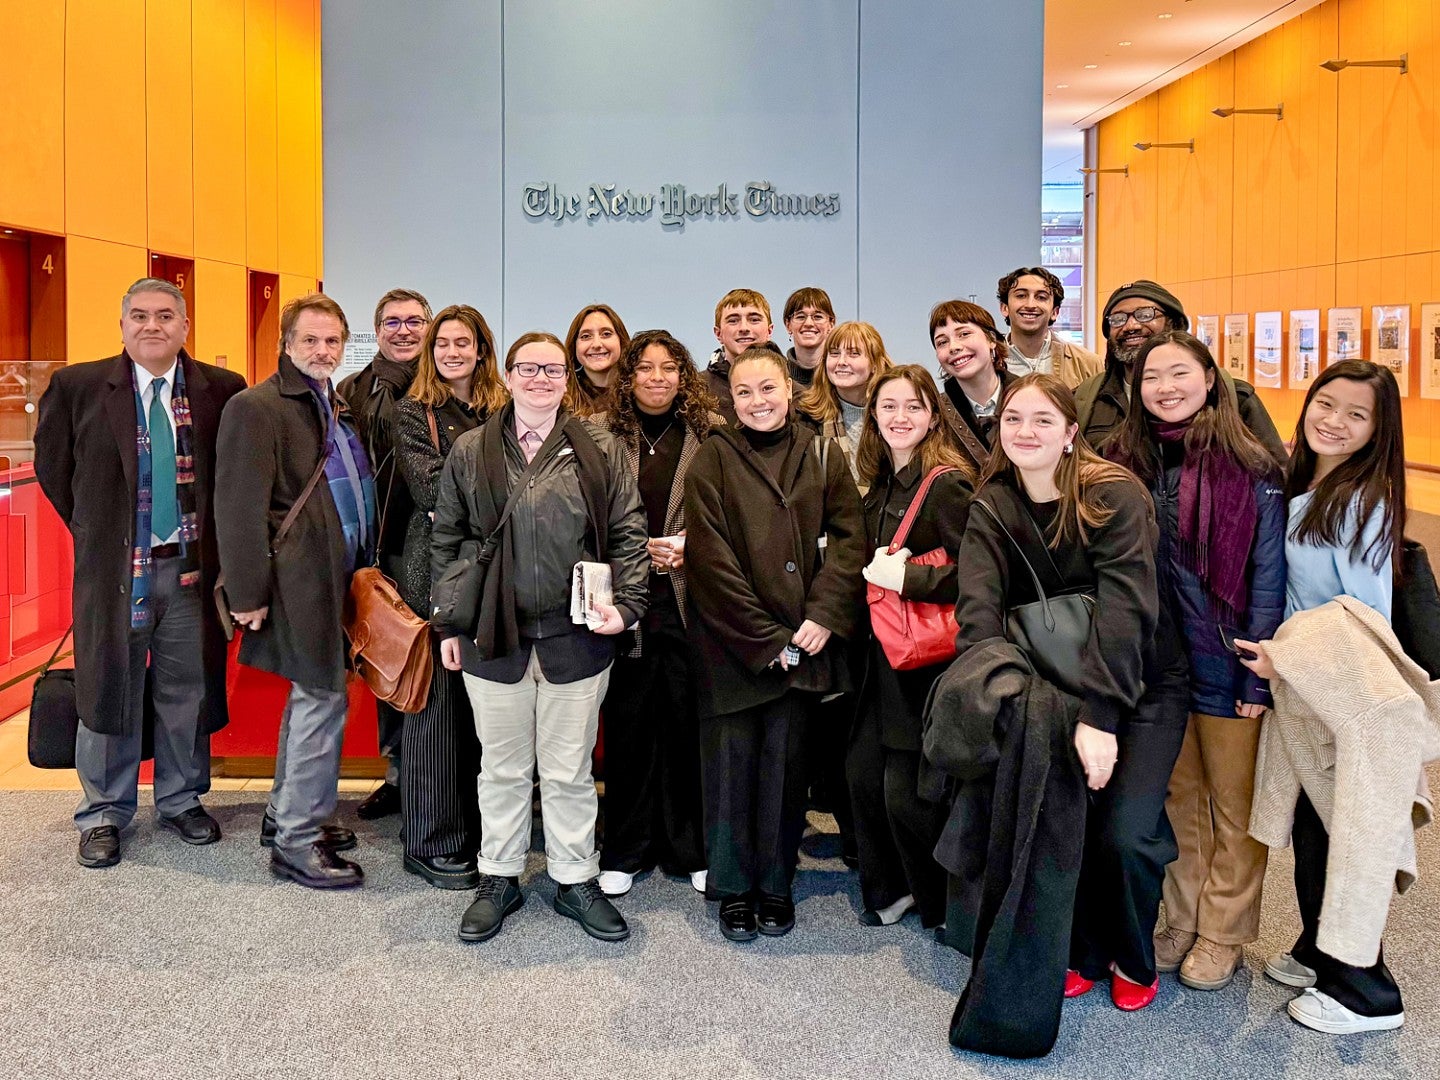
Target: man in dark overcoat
125, 451
285, 442
402, 317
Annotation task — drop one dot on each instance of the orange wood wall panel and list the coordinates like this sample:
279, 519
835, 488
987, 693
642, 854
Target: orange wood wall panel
297, 138
98, 273
261, 162
1333, 206
32, 101
319, 192
218, 74
169, 119
105, 120
220, 292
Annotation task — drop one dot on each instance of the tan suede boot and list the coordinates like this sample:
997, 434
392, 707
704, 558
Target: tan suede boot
1171, 945
1210, 965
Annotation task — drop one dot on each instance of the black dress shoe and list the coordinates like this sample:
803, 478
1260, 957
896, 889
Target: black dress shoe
592, 909
335, 837
737, 918
775, 915
194, 826
382, 802
444, 871
317, 867
99, 847
495, 898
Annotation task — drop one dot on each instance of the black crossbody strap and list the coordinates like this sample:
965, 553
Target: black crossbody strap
299, 503
547, 450
45, 667
1039, 589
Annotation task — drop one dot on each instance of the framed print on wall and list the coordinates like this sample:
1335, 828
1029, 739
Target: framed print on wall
1269, 362
1207, 329
1304, 348
1237, 345
1430, 351
1390, 341
1342, 336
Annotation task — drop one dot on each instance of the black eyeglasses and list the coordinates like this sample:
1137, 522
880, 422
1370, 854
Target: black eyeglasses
1117, 319
412, 323
527, 370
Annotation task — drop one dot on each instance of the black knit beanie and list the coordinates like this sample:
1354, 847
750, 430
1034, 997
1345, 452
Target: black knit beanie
1153, 291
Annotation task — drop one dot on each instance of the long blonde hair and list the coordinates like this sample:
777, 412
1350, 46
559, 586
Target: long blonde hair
1077, 472
487, 391
821, 402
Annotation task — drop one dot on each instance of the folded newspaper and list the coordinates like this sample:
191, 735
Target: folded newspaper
590, 585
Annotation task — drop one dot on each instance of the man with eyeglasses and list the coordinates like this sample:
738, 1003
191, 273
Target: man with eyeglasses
1135, 312
536, 676
401, 318
809, 318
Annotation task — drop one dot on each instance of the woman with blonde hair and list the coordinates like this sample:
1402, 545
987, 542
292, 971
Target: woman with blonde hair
455, 388
855, 358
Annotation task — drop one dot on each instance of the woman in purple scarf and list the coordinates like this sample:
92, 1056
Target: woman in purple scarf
1221, 566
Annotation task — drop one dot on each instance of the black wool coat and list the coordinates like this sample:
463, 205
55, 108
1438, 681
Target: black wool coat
87, 466
755, 570
270, 445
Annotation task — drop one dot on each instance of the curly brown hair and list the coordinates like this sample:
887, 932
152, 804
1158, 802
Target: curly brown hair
697, 403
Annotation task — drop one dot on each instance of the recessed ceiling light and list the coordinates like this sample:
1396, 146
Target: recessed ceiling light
1091, 67
1122, 43
1058, 86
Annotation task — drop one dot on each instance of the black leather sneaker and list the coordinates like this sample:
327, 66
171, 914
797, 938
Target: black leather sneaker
99, 847
737, 918
335, 837
592, 909
495, 898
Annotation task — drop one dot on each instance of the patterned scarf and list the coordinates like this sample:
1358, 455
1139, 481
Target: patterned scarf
142, 567
348, 475
1218, 517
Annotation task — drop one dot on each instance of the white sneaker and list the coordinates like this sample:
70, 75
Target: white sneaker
1284, 968
893, 913
1323, 1013
615, 882
698, 879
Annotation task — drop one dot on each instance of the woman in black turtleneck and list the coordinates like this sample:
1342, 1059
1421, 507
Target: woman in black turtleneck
662, 413
774, 519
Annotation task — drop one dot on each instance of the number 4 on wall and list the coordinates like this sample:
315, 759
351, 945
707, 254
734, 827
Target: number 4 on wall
49, 264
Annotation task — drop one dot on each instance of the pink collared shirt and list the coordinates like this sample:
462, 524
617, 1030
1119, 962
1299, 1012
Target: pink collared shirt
530, 438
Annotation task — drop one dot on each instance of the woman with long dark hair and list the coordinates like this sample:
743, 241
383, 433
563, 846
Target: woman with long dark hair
904, 441
1221, 566
596, 340
774, 519
661, 413
456, 387
1346, 490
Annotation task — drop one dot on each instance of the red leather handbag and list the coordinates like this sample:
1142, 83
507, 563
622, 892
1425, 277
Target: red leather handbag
914, 634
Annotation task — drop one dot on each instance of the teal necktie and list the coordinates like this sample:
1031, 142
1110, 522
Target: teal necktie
164, 506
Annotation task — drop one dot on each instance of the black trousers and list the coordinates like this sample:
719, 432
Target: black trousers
1128, 843
1368, 991
753, 775
827, 738
653, 814
895, 829
439, 766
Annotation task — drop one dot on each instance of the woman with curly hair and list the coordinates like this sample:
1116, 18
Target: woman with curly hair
661, 412
456, 387
596, 340
855, 358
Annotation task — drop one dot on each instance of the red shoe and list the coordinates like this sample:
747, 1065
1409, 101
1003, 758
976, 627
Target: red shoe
1132, 996
1076, 984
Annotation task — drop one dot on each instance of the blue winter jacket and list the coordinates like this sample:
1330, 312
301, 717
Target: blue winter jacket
1217, 678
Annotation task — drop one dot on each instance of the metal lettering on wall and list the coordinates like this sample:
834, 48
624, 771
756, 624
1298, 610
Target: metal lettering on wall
676, 204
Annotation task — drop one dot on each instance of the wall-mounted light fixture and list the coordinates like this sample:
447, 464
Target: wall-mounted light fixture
1340, 65
1278, 112
1143, 146
1123, 170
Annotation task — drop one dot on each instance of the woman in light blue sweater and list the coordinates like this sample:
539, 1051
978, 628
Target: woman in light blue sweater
1346, 490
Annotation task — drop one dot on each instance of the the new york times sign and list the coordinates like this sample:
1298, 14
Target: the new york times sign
674, 203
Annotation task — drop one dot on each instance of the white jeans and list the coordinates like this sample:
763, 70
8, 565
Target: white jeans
520, 725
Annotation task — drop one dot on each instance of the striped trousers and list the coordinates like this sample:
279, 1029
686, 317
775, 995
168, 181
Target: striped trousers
439, 765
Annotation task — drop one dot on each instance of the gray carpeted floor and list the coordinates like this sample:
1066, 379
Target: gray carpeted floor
195, 962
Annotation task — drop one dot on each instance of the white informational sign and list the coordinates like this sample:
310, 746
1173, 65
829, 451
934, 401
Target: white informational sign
1269, 358
1237, 345
1304, 348
359, 351
1207, 329
1430, 350
1390, 341
1342, 337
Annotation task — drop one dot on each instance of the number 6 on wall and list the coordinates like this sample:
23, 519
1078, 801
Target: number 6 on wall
267, 292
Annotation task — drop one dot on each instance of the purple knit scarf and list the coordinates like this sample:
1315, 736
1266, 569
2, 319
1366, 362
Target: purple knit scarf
1217, 521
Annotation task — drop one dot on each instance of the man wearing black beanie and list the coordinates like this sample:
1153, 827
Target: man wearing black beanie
1135, 312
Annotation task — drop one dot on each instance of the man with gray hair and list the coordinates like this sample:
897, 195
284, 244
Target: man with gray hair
295, 517
125, 451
